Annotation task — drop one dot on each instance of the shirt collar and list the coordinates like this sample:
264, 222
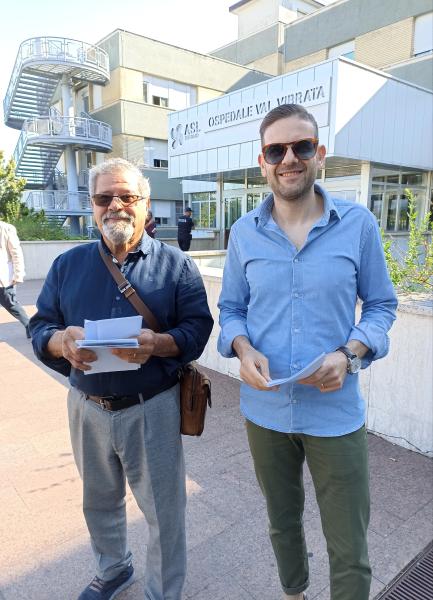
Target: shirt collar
264, 211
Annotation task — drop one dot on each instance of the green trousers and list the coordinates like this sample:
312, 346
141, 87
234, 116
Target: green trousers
339, 468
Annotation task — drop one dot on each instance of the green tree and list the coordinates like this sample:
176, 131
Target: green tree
30, 224
411, 270
11, 187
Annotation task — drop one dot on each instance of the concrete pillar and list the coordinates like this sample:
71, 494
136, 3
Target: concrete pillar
220, 210
364, 196
70, 158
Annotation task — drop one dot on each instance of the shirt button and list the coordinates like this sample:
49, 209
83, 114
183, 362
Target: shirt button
296, 295
117, 297
296, 260
296, 330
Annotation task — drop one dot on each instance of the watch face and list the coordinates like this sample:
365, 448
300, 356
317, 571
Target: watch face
354, 365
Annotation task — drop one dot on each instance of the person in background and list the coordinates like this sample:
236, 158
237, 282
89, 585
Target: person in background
11, 273
150, 225
184, 226
295, 267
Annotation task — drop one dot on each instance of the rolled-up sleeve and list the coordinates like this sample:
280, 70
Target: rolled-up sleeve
379, 301
233, 301
194, 320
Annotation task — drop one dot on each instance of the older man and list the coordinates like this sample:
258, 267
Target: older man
126, 424
295, 267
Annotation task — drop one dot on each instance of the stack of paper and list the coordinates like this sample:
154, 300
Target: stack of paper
302, 374
102, 335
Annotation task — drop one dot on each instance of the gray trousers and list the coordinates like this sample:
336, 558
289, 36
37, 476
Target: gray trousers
143, 444
8, 299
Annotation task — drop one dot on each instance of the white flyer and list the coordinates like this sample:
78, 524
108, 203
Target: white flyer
305, 372
102, 335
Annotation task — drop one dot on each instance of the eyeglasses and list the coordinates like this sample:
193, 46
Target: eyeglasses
125, 199
302, 149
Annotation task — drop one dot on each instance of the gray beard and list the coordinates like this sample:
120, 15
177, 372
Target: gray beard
118, 233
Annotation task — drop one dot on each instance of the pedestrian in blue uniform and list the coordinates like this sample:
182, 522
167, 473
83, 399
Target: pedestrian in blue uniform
295, 267
126, 424
184, 226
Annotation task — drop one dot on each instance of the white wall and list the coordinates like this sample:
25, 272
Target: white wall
256, 15
380, 119
39, 256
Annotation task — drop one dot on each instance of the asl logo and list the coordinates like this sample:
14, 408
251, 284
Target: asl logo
176, 136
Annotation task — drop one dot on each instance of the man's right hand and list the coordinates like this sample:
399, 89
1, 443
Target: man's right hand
254, 365
62, 345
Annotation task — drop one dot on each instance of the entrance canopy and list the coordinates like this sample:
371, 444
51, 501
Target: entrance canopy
363, 115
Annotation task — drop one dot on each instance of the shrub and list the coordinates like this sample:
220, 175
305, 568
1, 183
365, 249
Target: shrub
411, 270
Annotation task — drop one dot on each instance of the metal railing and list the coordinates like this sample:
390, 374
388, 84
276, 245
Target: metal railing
68, 127
58, 200
58, 50
50, 128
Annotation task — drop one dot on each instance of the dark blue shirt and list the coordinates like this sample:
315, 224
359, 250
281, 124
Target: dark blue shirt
184, 226
79, 286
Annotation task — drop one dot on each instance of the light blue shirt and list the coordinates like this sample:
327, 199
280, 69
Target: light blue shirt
293, 305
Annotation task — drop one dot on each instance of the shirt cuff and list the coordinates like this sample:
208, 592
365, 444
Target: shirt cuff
229, 331
375, 350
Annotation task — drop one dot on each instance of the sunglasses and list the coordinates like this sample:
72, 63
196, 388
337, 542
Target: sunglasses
302, 149
125, 199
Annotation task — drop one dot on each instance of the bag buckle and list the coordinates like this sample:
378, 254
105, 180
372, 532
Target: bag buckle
123, 287
126, 289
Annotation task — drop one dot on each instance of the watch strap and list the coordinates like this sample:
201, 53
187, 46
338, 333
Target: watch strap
345, 350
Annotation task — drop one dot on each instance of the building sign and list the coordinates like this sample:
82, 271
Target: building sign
306, 96
198, 129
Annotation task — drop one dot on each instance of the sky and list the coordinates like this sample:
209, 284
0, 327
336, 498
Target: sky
200, 25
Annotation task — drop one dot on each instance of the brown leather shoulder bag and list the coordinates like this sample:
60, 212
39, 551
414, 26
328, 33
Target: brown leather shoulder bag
195, 387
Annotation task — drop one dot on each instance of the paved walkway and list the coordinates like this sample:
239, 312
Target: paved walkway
44, 551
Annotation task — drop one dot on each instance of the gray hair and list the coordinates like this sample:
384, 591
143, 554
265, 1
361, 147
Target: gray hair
118, 164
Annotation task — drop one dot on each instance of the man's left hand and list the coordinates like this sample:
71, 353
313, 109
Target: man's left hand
331, 375
147, 342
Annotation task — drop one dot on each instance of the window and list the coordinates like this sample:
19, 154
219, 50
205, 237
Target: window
86, 104
203, 206
145, 91
376, 202
179, 209
347, 50
160, 101
430, 210
160, 163
254, 200
388, 201
423, 35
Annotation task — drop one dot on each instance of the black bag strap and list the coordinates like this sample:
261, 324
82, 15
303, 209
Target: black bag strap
128, 291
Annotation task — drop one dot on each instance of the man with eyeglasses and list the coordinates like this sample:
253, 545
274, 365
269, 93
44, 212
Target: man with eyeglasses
295, 267
126, 424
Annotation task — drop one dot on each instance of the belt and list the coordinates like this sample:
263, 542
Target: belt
113, 403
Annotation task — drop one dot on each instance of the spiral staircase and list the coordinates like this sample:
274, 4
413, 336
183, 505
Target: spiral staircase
49, 69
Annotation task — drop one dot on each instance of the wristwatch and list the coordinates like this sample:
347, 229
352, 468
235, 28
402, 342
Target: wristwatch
353, 361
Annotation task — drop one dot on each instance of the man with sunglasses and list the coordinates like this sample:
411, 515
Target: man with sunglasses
126, 424
295, 267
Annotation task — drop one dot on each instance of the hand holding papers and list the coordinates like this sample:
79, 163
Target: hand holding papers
102, 335
305, 372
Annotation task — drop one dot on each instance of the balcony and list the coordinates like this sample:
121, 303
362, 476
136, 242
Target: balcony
54, 202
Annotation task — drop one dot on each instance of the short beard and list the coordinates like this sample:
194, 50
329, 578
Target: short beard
118, 233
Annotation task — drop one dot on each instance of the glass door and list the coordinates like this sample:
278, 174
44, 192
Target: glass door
232, 212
